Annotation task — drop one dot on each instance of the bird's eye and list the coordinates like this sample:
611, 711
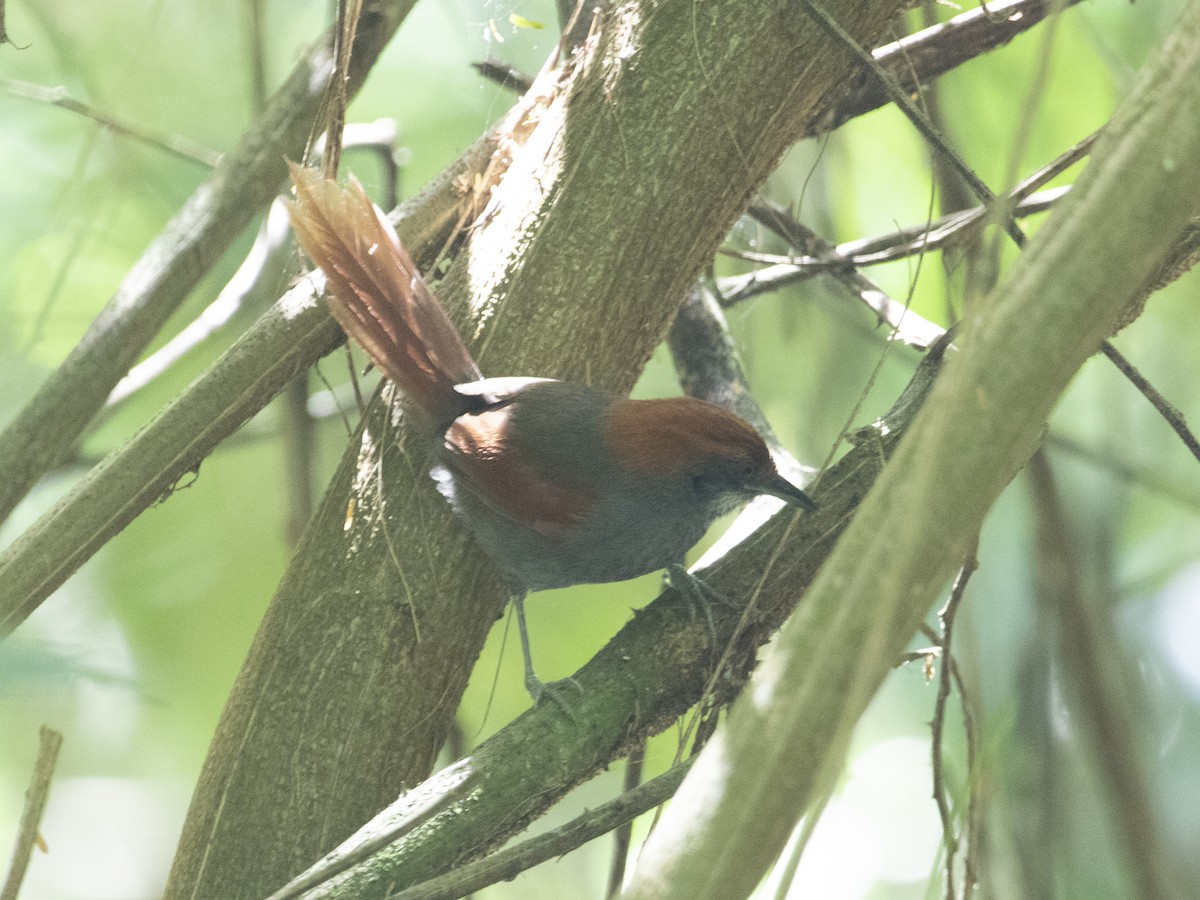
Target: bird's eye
709, 485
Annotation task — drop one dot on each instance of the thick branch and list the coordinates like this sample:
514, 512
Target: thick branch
575, 269
657, 667
987, 413
243, 183
287, 339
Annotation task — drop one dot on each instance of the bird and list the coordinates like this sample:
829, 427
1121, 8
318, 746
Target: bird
560, 483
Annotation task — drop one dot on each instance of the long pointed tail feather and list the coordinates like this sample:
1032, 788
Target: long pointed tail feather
378, 296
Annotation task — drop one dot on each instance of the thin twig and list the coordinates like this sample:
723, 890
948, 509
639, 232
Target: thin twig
337, 94
1110, 461
4, 38
623, 835
1173, 416
800, 844
907, 326
923, 56
975, 785
509, 863
1024, 199
942, 233
297, 429
919, 120
973, 831
257, 276
258, 53
415, 808
940, 794
953, 196
50, 741
58, 96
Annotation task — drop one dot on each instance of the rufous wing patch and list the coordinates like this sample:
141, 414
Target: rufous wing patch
481, 455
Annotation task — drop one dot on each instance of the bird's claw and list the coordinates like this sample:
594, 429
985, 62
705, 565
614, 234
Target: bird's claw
555, 692
698, 594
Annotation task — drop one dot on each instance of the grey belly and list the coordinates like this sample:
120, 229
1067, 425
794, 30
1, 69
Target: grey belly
614, 546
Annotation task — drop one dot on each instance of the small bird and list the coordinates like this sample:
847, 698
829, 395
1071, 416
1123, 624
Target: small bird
560, 483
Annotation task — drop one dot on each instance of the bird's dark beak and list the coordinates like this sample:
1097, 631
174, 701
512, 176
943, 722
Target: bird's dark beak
777, 486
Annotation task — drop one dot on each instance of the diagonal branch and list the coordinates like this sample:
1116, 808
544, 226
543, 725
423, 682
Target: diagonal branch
244, 182
36, 797
919, 120
563, 275
931, 52
651, 672
984, 418
287, 339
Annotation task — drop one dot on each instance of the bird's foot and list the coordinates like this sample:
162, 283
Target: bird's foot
698, 594
555, 692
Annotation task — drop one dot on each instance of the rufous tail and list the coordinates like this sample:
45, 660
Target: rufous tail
377, 295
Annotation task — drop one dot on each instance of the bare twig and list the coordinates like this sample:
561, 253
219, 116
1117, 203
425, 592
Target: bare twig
298, 450
257, 276
509, 863
1143, 476
505, 75
337, 93
897, 95
1173, 416
923, 56
907, 326
4, 38
943, 233
973, 830
623, 835
949, 839
58, 96
952, 195
975, 785
256, 30
31, 816
1024, 199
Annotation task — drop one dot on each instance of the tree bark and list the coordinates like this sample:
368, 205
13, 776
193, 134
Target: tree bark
1020, 347
619, 189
